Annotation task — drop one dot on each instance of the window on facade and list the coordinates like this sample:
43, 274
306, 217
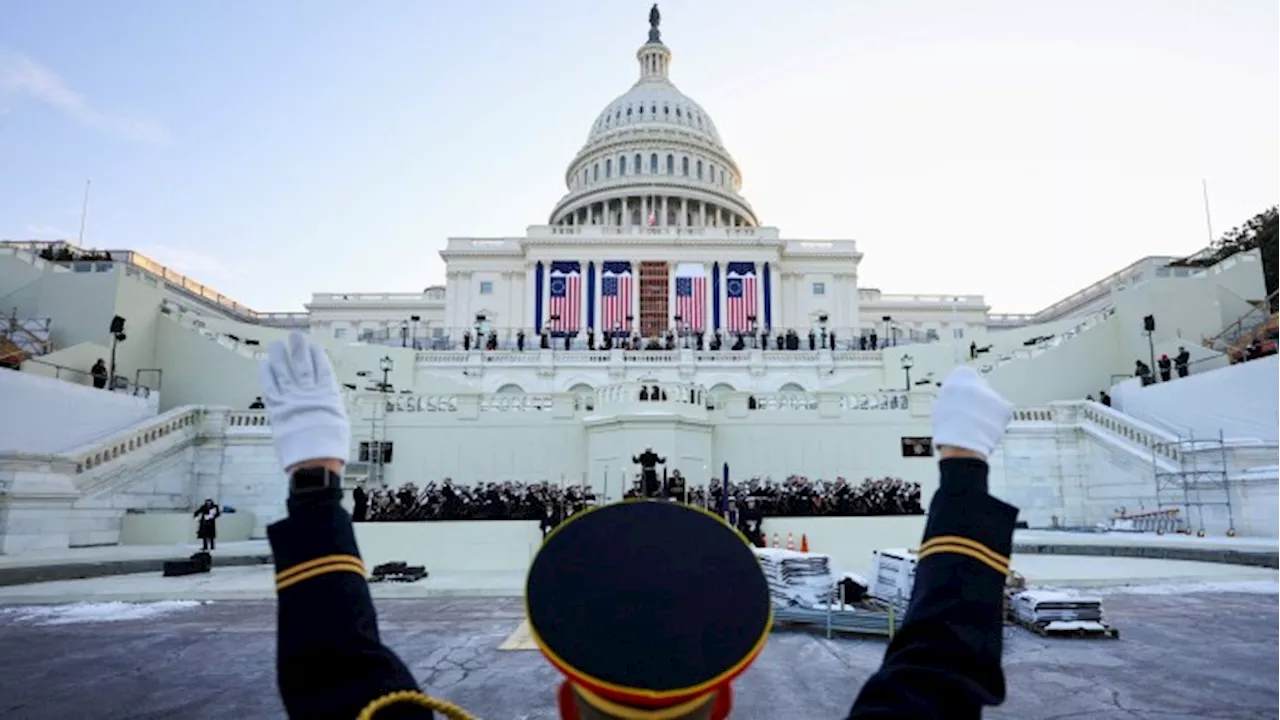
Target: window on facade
628, 112
608, 168
638, 164
641, 109
653, 164
366, 335
699, 169
684, 166
678, 113
622, 165
957, 333
819, 288
671, 164
486, 287
666, 109
596, 172
339, 333
369, 451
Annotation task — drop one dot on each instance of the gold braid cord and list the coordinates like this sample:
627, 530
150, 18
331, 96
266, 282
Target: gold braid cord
415, 697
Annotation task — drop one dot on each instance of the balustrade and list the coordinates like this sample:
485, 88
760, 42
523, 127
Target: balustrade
129, 441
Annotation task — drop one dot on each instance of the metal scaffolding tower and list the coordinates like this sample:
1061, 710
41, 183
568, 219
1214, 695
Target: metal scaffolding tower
1200, 479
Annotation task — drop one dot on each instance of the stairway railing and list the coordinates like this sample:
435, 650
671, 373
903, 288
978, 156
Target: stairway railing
1247, 322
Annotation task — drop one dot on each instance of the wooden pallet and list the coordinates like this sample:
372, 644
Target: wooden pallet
1106, 633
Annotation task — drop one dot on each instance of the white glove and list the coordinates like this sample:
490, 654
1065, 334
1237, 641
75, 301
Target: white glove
308, 418
969, 414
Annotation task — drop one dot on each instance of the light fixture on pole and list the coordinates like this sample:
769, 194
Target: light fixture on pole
414, 319
117, 336
387, 365
404, 333
1149, 329
907, 364
885, 341
822, 328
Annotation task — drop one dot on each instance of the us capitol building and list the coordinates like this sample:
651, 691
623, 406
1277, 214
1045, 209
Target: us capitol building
652, 310
652, 236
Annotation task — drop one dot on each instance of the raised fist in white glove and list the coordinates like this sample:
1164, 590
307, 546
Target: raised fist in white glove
308, 418
969, 414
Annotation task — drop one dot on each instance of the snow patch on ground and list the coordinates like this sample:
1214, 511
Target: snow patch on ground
95, 612
1251, 587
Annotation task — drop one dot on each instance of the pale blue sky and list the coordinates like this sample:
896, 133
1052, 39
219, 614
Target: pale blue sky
1017, 149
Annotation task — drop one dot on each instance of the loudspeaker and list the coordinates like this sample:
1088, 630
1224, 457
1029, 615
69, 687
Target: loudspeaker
117, 325
1149, 323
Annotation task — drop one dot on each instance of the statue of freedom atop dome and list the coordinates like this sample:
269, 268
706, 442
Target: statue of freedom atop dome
655, 18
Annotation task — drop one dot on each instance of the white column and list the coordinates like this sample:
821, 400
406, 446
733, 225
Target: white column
671, 295
663, 222
702, 214
684, 212
706, 309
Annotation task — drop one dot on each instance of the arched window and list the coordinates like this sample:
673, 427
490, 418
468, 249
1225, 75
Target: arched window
639, 164
641, 109
595, 173
671, 164
678, 113
628, 111
699, 169
622, 166
653, 164
684, 166
666, 109
653, 109
608, 168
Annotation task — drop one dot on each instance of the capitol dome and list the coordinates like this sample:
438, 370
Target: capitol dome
653, 157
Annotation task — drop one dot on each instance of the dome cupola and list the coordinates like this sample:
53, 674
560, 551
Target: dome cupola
653, 157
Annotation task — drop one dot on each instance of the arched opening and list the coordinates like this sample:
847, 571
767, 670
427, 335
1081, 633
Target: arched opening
510, 389
791, 387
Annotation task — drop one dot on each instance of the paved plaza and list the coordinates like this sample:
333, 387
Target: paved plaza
1200, 655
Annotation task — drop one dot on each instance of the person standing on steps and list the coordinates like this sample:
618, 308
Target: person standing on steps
207, 530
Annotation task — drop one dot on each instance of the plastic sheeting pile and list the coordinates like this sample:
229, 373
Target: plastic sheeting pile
1043, 607
796, 578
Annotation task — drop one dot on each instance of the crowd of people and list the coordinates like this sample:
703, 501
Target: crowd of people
550, 503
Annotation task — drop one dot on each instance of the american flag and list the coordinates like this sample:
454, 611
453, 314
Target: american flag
566, 297
615, 296
741, 292
691, 297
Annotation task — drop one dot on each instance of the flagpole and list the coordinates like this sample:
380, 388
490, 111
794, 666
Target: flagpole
84, 214
1208, 221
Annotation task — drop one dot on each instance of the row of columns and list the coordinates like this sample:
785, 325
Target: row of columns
667, 211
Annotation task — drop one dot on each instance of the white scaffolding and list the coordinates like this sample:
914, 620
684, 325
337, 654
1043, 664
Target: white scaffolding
1200, 479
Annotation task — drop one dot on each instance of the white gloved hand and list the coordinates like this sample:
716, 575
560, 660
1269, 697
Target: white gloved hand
308, 418
969, 414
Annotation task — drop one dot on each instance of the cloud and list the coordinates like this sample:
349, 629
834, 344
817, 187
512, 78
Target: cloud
20, 75
39, 231
197, 265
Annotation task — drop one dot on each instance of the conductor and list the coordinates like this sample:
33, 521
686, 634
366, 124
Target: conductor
648, 462
672, 657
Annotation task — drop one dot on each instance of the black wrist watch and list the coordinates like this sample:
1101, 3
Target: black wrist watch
310, 481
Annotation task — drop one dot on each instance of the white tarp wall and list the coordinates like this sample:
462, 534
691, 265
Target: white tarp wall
1240, 400
44, 415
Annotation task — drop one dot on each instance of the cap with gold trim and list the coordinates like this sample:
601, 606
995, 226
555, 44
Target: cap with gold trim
648, 605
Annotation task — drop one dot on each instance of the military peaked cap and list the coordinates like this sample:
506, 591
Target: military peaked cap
648, 604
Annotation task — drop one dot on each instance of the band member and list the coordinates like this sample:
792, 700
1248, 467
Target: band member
207, 529
648, 462
674, 659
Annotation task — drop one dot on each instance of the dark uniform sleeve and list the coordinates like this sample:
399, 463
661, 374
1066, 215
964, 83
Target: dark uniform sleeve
945, 661
329, 659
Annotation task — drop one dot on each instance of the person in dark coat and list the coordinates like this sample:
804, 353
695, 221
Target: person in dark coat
1166, 368
1182, 362
207, 529
99, 374
360, 504
648, 462
331, 662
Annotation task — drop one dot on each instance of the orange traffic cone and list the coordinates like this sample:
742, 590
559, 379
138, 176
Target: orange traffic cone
804, 543
775, 540
791, 541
